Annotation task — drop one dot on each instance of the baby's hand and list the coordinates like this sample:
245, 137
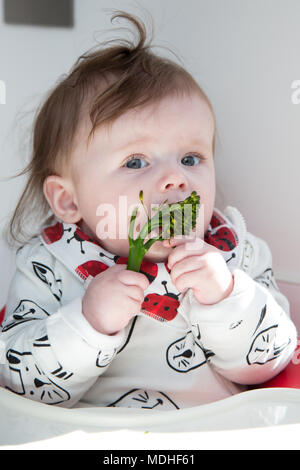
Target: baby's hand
113, 298
201, 267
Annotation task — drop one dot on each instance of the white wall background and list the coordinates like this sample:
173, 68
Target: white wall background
245, 55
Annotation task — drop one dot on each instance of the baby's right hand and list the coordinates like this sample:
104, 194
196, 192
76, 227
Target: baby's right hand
113, 298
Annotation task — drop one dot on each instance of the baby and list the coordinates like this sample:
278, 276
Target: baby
202, 319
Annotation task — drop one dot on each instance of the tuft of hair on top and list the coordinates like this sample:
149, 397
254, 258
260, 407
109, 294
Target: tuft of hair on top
104, 83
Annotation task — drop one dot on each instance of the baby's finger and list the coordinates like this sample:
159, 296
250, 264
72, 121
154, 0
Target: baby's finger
135, 293
182, 251
178, 239
192, 242
188, 264
131, 278
188, 280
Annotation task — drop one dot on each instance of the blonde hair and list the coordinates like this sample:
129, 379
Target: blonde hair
134, 77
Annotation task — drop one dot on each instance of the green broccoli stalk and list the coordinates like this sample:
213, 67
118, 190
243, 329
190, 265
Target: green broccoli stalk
171, 219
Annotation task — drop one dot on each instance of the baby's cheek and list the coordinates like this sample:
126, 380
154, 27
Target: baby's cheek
116, 247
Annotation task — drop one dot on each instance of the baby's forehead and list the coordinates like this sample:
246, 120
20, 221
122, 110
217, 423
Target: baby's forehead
174, 119
182, 111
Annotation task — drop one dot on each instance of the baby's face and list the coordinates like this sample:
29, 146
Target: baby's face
163, 149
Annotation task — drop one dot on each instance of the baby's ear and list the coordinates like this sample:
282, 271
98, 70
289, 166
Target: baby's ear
60, 195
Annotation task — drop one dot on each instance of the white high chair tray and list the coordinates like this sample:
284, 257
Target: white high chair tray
265, 418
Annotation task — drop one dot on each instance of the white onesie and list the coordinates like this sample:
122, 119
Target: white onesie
176, 353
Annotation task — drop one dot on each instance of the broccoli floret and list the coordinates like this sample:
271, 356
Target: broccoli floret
172, 219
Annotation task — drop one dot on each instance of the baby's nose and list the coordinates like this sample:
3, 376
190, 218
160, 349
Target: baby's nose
172, 180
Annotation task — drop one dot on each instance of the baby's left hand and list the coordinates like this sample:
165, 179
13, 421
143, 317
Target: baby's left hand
201, 267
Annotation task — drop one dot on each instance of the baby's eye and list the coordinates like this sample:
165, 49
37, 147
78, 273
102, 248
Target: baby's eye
189, 159
135, 162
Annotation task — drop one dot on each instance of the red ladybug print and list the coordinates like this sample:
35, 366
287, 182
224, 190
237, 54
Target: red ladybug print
161, 307
116, 258
2, 314
224, 239
216, 221
54, 233
90, 268
80, 236
149, 269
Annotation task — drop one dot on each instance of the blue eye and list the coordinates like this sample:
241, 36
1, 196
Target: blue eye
135, 163
188, 160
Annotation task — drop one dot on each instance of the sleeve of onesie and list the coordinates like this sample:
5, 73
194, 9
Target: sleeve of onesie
48, 351
249, 336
